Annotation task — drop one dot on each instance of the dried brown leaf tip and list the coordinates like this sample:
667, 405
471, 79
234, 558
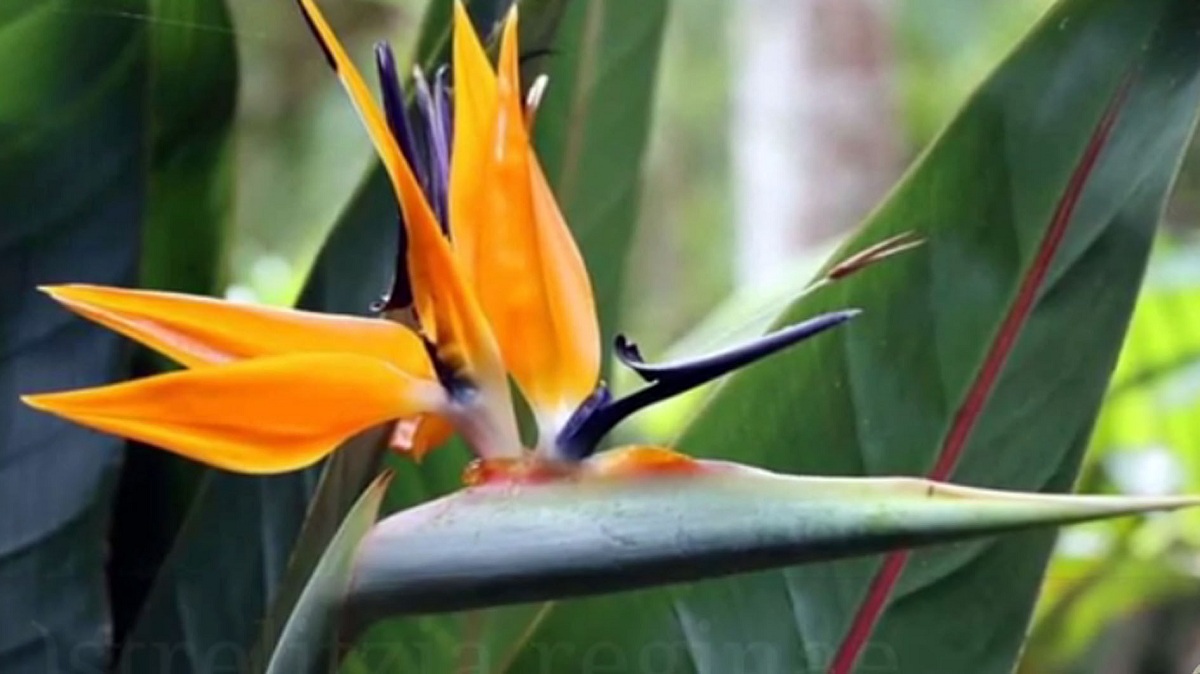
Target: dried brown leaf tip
875, 253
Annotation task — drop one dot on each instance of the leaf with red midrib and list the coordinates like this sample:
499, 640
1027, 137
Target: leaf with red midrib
981, 357
977, 397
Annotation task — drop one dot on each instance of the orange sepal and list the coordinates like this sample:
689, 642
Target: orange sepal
196, 331
474, 118
635, 461
448, 312
532, 282
418, 436
265, 415
640, 461
516, 470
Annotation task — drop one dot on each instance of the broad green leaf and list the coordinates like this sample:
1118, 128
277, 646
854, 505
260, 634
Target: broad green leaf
216, 583
193, 88
350, 274
307, 641
1145, 442
89, 104
592, 130
989, 351
342, 479
194, 74
513, 544
980, 358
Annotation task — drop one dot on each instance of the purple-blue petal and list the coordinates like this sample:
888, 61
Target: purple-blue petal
593, 421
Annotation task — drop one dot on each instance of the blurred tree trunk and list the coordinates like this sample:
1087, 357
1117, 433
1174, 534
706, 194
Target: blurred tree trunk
814, 131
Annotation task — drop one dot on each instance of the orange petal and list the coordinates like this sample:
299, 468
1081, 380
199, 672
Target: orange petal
197, 331
630, 462
474, 118
640, 461
417, 437
449, 313
516, 470
532, 282
265, 415
433, 431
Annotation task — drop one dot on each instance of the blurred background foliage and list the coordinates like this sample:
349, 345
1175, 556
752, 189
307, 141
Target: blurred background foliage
848, 92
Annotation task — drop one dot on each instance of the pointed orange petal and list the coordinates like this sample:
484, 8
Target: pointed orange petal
197, 331
433, 431
418, 436
447, 310
474, 117
266, 415
532, 282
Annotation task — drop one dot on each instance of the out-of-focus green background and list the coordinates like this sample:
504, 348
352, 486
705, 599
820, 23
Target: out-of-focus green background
778, 124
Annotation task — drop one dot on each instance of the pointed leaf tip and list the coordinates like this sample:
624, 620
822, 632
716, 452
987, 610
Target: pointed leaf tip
875, 253
307, 641
565, 539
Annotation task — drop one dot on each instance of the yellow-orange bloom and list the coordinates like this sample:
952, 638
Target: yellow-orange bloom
269, 390
496, 282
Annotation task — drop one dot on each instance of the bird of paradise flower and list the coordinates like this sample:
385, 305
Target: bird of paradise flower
489, 285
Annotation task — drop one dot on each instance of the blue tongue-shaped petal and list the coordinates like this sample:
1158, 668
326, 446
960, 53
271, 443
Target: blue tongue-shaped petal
400, 294
424, 137
394, 109
599, 414
433, 100
706, 368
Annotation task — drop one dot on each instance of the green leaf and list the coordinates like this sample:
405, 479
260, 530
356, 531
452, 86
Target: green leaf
503, 544
86, 108
306, 643
344, 477
193, 88
592, 130
290, 518
194, 71
204, 614
985, 354
980, 358
164, 500
1145, 442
